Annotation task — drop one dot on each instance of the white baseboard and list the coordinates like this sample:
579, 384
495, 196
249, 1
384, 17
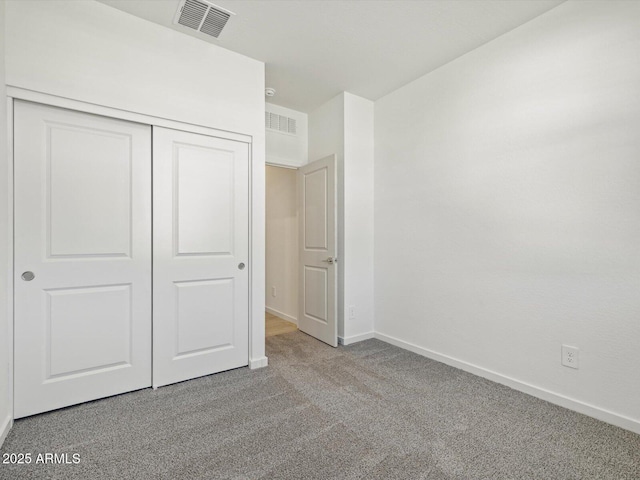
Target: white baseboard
355, 338
552, 397
258, 363
281, 315
5, 426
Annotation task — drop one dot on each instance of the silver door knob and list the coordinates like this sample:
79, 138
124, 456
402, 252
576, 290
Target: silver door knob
241, 266
28, 276
331, 260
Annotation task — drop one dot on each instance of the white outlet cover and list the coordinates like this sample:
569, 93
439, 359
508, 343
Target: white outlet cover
570, 356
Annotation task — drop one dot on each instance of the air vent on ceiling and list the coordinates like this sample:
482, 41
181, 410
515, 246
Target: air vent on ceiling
202, 16
280, 123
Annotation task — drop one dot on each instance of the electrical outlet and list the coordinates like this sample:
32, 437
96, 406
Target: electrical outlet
352, 311
273, 291
570, 356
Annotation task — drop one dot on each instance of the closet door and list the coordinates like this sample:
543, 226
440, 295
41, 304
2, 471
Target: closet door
200, 242
82, 257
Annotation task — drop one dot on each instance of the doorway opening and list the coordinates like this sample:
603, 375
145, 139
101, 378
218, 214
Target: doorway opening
281, 309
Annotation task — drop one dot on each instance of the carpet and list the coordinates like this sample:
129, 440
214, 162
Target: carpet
366, 411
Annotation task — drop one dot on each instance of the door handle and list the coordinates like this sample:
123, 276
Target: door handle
331, 260
28, 276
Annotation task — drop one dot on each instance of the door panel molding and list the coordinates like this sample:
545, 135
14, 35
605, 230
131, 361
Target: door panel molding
82, 326
201, 297
318, 240
18, 95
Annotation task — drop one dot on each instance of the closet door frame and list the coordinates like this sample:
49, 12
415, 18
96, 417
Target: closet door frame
257, 358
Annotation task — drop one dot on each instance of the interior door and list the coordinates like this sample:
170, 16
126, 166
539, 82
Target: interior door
201, 248
82, 257
318, 240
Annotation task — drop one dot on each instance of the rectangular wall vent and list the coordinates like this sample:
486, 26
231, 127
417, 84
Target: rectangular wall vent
202, 16
280, 123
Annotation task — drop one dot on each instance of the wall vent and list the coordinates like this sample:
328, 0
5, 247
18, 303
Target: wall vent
280, 123
202, 16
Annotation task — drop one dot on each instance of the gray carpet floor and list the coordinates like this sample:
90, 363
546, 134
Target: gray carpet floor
366, 411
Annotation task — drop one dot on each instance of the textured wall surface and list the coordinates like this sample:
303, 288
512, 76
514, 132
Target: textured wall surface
282, 241
507, 195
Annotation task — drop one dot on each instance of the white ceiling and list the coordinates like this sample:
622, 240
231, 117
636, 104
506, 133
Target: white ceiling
315, 49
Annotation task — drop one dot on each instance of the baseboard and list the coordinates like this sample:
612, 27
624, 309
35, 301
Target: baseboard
258, 363
281, 315
4, 428
355, 338
552, 397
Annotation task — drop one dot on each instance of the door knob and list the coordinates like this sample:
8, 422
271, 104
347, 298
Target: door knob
28, 276
241, 266
331, 260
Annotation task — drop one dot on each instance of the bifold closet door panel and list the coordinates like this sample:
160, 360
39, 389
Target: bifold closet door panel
201, 248
82, 257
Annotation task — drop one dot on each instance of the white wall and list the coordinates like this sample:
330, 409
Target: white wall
282, 243
344, 126
5, 268
281, 217
358, 217
93, 53
507, 189
326, 137
286, 149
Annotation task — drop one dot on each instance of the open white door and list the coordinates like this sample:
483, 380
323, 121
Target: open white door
82, 257
318, 245
200, 255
